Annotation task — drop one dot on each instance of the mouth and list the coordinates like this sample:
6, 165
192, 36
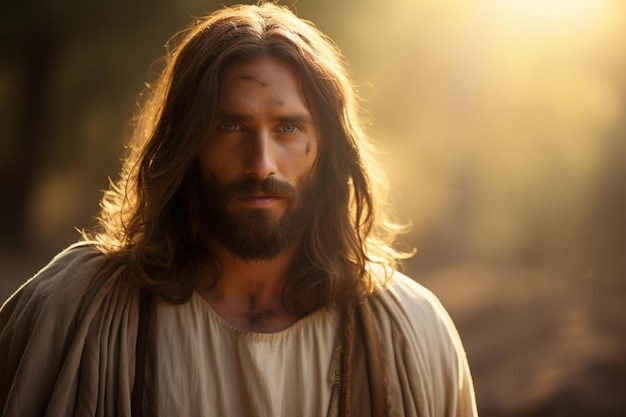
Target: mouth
259, 200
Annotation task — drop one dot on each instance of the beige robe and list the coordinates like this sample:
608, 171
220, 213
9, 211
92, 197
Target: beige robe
67, 347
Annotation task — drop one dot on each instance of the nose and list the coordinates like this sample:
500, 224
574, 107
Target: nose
261, 162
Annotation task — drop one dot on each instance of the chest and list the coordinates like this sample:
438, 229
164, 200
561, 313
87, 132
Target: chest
207, 367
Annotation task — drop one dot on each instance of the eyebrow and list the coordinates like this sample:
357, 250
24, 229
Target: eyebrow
300, 118
231, 115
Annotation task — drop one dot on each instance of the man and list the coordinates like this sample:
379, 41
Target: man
242, 266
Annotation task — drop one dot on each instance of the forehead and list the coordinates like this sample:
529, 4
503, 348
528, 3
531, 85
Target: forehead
265, 75
256, 63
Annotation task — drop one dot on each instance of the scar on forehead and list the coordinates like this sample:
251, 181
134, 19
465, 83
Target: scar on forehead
251, 77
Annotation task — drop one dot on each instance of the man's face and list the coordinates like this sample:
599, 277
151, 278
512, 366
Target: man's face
258, 160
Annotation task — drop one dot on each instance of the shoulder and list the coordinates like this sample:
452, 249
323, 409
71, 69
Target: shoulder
72, 266
409, 313
404, 298
77, 259
61, 283
71, 316
421, 344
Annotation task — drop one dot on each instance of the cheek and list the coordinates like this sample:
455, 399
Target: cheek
216, 165
311, 147
306, 158
206, 167
213, 171
205, 162
311, 153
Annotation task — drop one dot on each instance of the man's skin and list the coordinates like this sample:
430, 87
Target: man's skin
262, 128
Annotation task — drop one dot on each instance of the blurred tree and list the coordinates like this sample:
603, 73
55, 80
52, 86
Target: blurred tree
30, 42
35, 35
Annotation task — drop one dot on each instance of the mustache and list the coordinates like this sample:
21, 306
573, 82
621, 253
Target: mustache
269, 185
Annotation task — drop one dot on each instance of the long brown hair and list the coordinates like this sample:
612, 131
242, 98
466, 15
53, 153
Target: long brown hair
151, 218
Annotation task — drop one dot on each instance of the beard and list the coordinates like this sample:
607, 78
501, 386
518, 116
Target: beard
257, 234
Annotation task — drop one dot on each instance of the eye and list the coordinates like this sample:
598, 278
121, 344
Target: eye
229, 127
289, 128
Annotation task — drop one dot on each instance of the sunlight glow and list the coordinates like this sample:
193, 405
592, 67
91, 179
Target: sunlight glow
565, 16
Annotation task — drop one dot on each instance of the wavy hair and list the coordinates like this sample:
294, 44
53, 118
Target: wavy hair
151, 219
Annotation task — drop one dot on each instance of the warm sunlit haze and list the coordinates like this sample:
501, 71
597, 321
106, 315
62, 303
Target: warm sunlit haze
501, 125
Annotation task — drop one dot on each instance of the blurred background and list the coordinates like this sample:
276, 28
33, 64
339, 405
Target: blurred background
503, 126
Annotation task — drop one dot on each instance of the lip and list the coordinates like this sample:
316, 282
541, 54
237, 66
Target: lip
258, 200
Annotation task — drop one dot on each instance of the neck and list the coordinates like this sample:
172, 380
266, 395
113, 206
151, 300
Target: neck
248, 293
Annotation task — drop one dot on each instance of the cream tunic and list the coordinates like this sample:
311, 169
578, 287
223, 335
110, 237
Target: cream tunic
68, 340
208, 366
